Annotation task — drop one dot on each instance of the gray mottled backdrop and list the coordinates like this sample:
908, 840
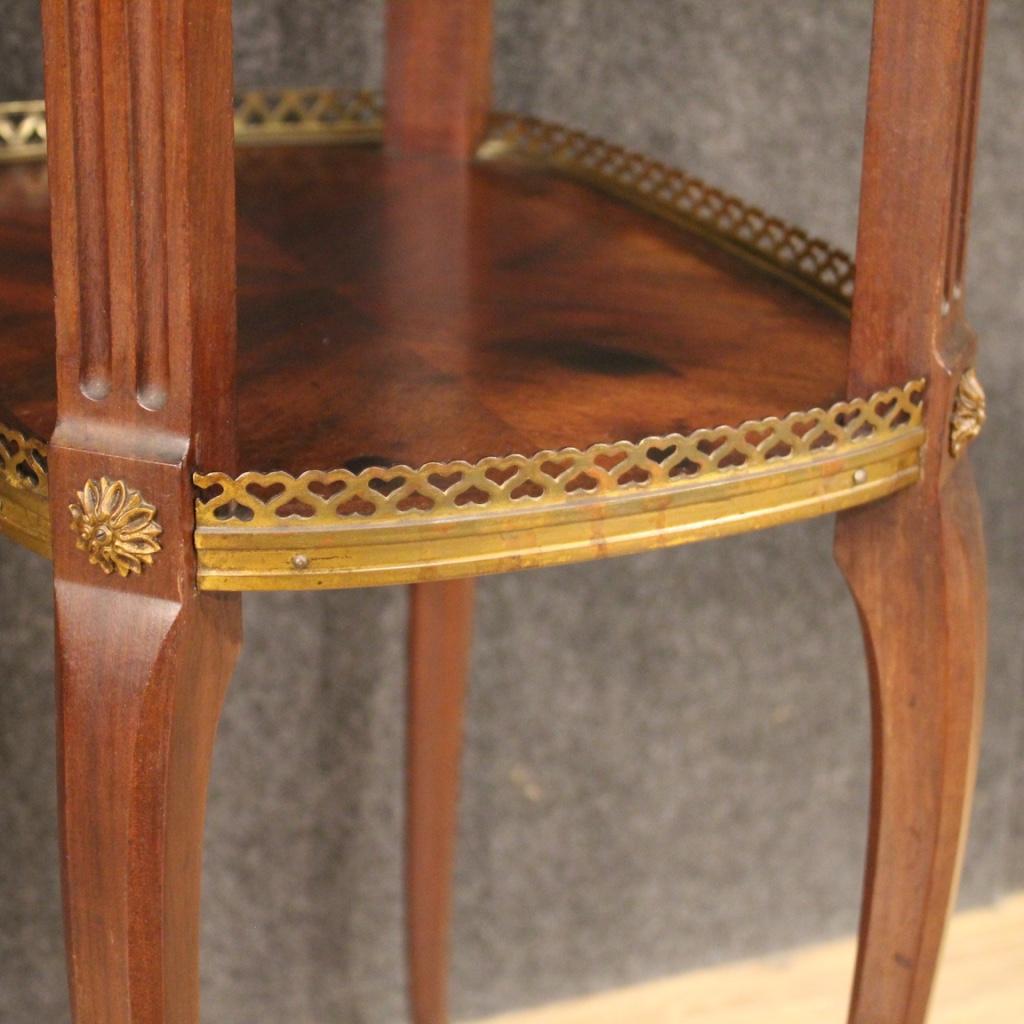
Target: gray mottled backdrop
667, 755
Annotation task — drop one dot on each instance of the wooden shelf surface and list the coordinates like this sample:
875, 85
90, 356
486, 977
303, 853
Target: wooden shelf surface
406, 310
558, 352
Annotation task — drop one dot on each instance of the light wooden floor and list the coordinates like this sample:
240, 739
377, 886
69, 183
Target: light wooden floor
982, 982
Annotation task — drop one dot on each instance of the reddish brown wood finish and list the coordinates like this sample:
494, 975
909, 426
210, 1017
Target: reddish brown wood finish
141, 681
439, 91
533, 313
140, 115
915, 563
922, 606
440, 633
139, 99
439, 74
402, 310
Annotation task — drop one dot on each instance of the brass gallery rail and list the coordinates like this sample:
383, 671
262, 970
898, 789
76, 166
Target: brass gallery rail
262, 531
267, 531
399, 524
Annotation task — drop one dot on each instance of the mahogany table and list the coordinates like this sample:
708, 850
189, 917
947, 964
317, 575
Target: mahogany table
467, 342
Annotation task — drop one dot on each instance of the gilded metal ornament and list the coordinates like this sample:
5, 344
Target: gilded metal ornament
335, 528
308, 116
399, 524
22, 461
22, 130
748, 232
969, 412
264, 116
24, 490
321, 115
116, 526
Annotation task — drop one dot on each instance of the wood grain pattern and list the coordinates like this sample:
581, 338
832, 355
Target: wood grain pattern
439, 75
915, 563
399, 310
440, 634
139, 98
140, 685
922, 606
439, 92
401, 305
971, 56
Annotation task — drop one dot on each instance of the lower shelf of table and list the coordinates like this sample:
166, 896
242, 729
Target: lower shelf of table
274, 531
518, 362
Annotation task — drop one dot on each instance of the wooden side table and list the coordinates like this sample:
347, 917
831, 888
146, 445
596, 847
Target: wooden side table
469, 342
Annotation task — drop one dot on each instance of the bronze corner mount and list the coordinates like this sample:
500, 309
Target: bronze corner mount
969, 413
116, 527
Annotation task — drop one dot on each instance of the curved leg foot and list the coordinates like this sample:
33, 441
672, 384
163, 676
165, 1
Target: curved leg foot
917, 571
440, 632
140, 685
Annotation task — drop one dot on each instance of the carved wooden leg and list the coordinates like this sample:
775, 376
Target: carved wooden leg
917, 570
140, 685
440, 632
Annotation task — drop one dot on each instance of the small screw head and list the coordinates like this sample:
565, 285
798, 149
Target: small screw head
300, 562
860, 476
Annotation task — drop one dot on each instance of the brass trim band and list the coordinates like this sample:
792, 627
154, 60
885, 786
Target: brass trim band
778, 248
402, 524
274, 531
328, 116
22, 130
262, 116
24, 490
